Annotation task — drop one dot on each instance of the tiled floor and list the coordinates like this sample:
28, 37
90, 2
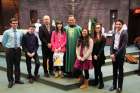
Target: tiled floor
131, 85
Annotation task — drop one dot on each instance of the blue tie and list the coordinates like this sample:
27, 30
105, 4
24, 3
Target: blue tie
15, 39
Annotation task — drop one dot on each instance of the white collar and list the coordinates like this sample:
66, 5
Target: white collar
13, 29
119, 32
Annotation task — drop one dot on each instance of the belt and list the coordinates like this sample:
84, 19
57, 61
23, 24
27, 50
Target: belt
115, 50
14, 48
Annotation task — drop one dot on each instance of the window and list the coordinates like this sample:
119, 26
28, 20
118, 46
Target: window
33, 16
113, 17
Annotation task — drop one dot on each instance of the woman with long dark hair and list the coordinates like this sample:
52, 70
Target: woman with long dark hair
98, 54
84, 55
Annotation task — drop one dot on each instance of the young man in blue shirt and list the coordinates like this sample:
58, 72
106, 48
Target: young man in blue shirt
11, 41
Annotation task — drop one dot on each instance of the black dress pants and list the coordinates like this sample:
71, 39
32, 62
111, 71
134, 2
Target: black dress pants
47, 54
13, 56
118, 72
97, 72
29, 67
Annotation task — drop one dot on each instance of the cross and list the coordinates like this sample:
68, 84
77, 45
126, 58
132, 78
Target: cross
73, 4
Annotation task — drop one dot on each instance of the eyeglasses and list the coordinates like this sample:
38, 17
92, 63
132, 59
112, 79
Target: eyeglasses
97, 27
118, 24
14, 23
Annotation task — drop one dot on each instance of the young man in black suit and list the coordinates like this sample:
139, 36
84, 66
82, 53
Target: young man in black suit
118, 50
30, 46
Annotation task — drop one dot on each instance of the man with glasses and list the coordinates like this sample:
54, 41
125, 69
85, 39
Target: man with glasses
11, 41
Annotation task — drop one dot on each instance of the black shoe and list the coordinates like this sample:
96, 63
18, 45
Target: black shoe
47, 75
138, 73
101, 86
29, 76
95, 83
69, 75
51, 73
10, 85
36, 77
19, 82
119, 90
112, 89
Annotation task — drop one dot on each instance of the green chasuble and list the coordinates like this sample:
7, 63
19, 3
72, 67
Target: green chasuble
73, 34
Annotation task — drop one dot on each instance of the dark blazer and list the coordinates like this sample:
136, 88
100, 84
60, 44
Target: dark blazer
122, 45
44, 35
30, 43
98, 50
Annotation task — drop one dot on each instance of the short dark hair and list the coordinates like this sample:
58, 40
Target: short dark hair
119, 20
13, 19
71, 16
31, 25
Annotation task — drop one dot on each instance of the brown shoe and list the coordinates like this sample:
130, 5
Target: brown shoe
61, 75
85, 85
56, 74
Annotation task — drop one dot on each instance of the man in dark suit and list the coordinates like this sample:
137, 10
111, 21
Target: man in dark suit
45, 32
118, 50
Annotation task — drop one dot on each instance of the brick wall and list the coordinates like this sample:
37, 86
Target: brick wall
86, 9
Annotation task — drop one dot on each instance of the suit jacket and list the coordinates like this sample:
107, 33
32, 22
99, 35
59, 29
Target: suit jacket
122, 44
45, 35
30, 43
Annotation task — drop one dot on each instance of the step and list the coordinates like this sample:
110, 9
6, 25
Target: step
67, 83
130, 49
108, 61
64, 84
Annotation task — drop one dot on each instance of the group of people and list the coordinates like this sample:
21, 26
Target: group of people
70, 49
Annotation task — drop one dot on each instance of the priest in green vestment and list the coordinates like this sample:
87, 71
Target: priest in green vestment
73, 31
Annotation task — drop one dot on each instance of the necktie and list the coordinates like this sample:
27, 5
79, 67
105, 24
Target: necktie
15, 39
48, 28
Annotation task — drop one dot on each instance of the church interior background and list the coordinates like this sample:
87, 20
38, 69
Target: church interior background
106, 11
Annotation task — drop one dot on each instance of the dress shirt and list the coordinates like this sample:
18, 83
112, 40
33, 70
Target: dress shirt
117, 39
8, 40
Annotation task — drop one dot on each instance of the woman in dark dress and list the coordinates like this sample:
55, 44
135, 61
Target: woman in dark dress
98, 55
